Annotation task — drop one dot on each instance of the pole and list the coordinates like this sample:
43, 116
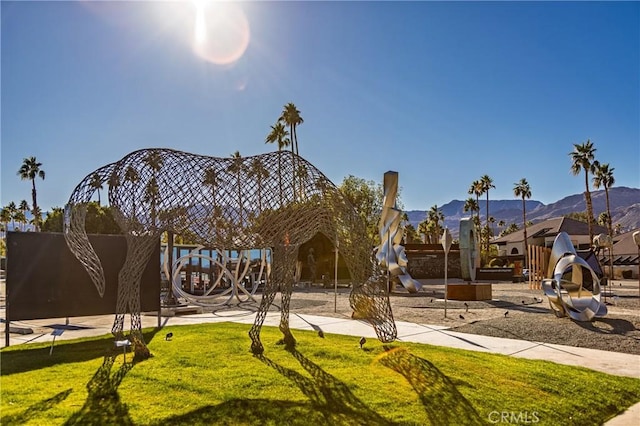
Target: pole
636, 239
335, 279
446, 241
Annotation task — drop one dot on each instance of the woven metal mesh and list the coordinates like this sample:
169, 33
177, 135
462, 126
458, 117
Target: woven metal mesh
277, 200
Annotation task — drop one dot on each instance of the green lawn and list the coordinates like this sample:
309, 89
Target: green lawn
207, 375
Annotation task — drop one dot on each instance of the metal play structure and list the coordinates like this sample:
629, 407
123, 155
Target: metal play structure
276, 200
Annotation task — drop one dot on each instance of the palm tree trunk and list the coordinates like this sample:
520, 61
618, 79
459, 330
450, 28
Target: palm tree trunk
587, 196
609, 227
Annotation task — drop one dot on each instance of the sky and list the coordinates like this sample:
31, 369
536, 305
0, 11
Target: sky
440, 92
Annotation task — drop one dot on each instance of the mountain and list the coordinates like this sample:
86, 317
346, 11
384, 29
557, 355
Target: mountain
624, 203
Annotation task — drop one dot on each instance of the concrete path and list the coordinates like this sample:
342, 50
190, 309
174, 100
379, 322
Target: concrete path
608, 362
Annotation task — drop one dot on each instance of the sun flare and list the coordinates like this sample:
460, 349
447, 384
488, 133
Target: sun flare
221, 32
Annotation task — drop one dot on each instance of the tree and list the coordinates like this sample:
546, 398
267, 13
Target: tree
5, 218
523, 190
366, 198
237, 167
279, 135
434, 216
470, 205
292, 118
96, 183
24, 208
258, 171
155, 161
476, 189
11, 211
30, 170
131, 175
510, 229
603, 176
486, 184
582, 158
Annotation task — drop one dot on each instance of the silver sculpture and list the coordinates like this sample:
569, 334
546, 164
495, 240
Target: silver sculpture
571, 292
276, 200
468, 249
390, 254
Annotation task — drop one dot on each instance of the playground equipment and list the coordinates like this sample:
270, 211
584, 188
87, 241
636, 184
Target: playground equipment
571, 285
276, 200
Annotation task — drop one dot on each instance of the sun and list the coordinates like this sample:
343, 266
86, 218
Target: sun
221, 32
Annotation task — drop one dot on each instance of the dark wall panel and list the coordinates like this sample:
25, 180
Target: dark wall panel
45, 280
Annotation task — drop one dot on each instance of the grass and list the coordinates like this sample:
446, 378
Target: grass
207, 375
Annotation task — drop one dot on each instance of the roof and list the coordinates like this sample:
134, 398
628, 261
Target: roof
550, 228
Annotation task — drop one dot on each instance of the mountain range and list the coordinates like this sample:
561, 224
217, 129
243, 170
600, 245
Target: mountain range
624, 203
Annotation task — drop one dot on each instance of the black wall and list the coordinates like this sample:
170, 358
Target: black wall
45, 280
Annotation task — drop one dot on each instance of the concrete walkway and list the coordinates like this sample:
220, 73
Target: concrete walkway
608, 362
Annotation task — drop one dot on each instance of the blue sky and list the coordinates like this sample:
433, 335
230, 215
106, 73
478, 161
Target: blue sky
441, 92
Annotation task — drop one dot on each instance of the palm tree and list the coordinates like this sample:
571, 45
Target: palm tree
501, 224
11, 212
24, 208
237, 167
582, 158
470, 205
435, 216
603, 176
476, 189
5, 218
155, 161
523, 190
279, 135
36, 220
30, 170
131, 175
259, 172
96, 183
291, 117
487, 183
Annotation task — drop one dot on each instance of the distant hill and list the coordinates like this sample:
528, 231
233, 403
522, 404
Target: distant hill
624, 202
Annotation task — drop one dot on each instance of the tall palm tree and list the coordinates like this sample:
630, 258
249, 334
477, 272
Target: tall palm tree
131, 175
259, 172
237, 167
279, 135
155, 161
476, 189
523, 190
487, 184
603, 176
36, 220
96, 183
30, 170
582, 158
292, 118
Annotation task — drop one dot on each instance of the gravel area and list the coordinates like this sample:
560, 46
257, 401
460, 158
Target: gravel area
515, 312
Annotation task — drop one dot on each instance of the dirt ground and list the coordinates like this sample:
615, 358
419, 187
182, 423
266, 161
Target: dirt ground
515, 312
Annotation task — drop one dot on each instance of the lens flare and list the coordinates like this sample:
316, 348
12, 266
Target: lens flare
221, 32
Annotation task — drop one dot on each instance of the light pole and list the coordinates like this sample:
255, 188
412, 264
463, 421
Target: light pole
636, 239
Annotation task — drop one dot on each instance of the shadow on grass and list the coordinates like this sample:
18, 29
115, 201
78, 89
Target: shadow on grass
330, 402
34, 358
442, 401
103, 405
35, 410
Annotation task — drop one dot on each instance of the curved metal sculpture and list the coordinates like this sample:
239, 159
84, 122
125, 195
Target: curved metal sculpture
390, 254
571, 292
276, 200
233, 277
